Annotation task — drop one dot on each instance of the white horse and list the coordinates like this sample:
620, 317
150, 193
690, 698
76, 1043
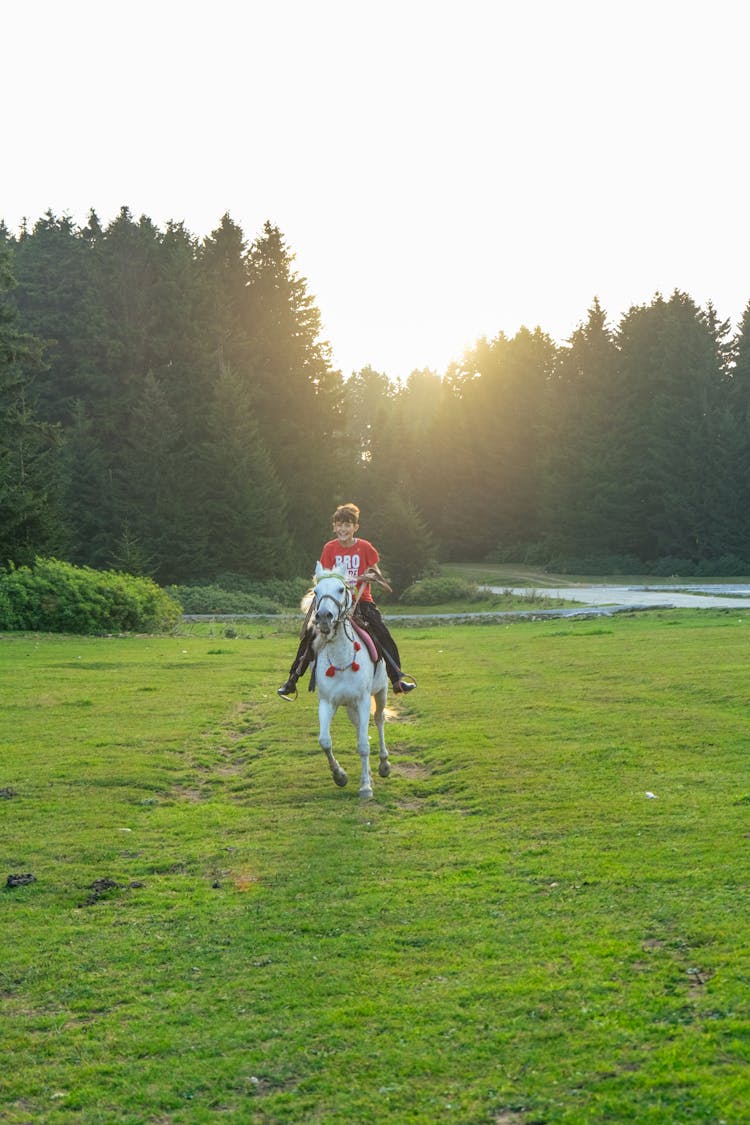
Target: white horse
346, 675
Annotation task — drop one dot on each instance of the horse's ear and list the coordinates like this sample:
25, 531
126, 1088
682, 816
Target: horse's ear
318, 569
341, 569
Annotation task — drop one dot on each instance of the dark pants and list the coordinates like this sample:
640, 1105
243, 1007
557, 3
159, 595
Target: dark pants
372, 619
368, 615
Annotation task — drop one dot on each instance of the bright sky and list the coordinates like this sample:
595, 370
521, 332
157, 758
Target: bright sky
442, 169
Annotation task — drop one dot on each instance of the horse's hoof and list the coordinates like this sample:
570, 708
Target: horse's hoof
384, 769
339, 776
365, 793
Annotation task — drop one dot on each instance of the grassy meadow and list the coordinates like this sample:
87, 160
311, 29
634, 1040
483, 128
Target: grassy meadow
541, 917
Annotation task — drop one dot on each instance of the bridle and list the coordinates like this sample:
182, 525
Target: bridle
343, 606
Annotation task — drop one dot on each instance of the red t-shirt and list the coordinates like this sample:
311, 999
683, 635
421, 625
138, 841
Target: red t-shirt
357, 559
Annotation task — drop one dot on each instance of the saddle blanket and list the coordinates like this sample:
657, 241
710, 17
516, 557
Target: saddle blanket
367, 640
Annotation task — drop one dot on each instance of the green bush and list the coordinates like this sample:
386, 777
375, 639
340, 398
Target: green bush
529, 554
236, 593
728, 566
438, 591
56, 597
596, 565
670, 566
285, 591
215, 599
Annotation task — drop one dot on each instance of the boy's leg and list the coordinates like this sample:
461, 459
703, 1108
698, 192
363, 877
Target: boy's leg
373, 621
298, 668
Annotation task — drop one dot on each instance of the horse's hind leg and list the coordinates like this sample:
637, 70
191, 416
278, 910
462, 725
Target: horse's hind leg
325, 715
384, 767
362, 723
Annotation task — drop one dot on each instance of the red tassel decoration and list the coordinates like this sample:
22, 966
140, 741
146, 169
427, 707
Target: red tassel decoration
355, 666
357, 646
330, 670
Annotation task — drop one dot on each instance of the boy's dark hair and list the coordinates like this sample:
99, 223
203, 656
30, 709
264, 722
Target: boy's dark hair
346, 513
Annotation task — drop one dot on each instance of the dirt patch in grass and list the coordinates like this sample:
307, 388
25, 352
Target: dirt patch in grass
411, 770
231, 768
397, 715
188, 793
243, 879
410, 804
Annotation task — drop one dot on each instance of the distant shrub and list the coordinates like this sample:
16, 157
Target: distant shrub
7, 611
529, 554
437, 591
668, 566
236, 593
671, 567
215, 599
285, 591
599, 565
57, 597
728, 566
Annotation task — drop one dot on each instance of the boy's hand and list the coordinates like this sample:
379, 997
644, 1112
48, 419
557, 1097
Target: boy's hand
372, 574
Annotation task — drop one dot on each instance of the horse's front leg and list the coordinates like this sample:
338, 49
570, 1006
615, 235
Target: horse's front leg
381, 697
326, 711
363, 748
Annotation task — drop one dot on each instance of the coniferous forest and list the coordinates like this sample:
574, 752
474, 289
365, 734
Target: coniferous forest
168, 406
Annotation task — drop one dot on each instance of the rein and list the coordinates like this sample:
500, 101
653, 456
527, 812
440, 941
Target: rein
369, 576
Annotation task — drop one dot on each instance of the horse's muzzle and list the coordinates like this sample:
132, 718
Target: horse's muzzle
324, 621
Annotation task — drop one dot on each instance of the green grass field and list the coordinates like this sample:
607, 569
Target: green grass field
510, 933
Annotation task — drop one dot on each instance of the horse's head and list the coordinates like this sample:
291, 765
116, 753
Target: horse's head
333, 598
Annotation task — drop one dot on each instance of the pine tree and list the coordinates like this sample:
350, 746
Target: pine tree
30, 516
406, 547
152, 475
368, 403
57, 302
89, 492
582, 503
296, 393
734, 441
492, 489
421, 412
669, 381
245, 524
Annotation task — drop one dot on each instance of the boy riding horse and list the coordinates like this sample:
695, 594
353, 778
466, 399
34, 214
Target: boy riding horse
361, 561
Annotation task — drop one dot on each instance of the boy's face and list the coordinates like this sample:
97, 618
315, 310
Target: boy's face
344, 530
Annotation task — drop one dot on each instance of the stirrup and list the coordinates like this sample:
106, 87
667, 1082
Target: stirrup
284, 693
405, 684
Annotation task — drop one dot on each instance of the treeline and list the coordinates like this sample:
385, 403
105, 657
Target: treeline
184, 397
169, 407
